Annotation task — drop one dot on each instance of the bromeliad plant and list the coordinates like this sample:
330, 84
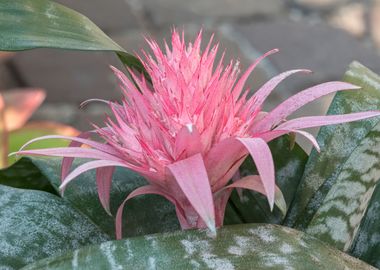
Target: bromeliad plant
189, 131
187, 126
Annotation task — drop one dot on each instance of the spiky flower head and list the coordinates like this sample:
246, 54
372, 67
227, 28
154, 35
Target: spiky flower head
189, 129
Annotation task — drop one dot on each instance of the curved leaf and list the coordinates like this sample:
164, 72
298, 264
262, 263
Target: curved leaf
338, 143
143, 215
289, 166
249, 246
36, 225
29, 24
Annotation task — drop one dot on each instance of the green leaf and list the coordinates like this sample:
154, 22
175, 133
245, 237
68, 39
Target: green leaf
338, 143
366, 245
36, 225
29, 24
248, 246
289, 165
24, 174
337, 220
142, 215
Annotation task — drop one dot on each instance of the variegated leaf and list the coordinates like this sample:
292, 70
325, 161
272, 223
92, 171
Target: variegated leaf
338, 143
248, 246
36, 225
366, 245
338, 219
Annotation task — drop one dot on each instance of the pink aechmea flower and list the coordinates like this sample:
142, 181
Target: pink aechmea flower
188, 131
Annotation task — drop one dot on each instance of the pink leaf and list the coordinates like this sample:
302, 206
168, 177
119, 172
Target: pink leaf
75, 152
317, 121
99, 146
141, 191
223, 160
261, 94
262, 157
253, 182
191, 176
282, 111
188, 142
273, 134
68, 161
240, 84
103, 182
86, 167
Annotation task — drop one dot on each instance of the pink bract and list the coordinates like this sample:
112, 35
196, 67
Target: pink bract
188, 131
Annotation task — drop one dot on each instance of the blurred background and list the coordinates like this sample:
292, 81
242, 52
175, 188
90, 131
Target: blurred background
322, 35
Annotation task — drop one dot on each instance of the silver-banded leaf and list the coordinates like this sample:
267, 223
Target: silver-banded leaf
248, 246
36, 225
337, 143
29, 24
366, 245
142, 215
338, 219
289, 165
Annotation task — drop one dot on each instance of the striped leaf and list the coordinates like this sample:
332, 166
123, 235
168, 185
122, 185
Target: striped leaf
36, 225
248, 246
338, 143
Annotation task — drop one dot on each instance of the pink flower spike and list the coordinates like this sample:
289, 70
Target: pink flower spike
262, 157
191, 176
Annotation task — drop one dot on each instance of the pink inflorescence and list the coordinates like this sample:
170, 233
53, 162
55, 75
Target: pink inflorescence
189, 129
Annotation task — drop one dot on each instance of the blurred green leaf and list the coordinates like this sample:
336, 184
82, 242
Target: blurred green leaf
29, 24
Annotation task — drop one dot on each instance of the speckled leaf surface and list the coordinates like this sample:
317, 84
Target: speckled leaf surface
24, 174
36, 225
366, 245
289, 165
338, 219
248, 246
142, 215
29, 24
338, 142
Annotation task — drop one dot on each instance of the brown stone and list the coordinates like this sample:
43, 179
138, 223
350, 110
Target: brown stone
110, 16
350, 18
68, 76
167, 12
320, 3
375, 22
